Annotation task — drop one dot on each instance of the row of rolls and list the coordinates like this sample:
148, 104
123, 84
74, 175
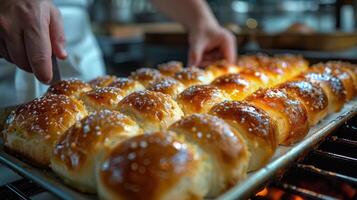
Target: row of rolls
174, 132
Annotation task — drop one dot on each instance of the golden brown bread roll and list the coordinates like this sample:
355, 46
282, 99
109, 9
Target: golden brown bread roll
80, 148
33, 128
332, 87
153, 111
102, 81
152, 166
337, 70
146, 76
311, 96
170, 68
102, 98
222, 68
200, 98
235, 86
167, 86
72, 88
224, 150
193, 76
127, 85
289, 114
255, 125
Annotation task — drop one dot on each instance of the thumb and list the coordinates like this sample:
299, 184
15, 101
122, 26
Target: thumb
228, 48
57, 34
195, 53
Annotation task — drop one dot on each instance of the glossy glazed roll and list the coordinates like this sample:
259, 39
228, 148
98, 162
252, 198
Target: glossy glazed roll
153, 166
80, 148
170, 68
102, 81
200, 98
127, 85
235, 86
33, 128
255, 125
102, 98
332, 86
153, 111
340, 72
167, 86
72, 88
222, 68
311, 96
289, 114
223, 150
146, 76
193, 76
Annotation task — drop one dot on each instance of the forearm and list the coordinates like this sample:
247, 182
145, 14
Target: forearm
192, 14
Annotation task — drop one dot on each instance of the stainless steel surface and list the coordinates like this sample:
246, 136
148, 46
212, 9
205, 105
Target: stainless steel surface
56, 75
282, 158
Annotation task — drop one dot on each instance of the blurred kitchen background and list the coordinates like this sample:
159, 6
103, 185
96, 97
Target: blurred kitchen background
132, 33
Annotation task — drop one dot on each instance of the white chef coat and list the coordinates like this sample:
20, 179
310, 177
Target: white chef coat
84, 57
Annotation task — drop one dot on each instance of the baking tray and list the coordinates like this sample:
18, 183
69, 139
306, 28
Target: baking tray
284, 156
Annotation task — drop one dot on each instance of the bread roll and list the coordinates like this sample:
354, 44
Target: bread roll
153, 111
72, 88
152, 166
332, 87
127, 85
170, 68
33, 128
255, 125
224, 150
167, 86
102, 98
146, 76
102, 81
289, 114
311, 96
235, 86
222, 68
79, 149
337, 70
199, 98
193, 76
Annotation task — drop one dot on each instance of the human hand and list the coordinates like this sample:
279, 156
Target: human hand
209, 43
30, 31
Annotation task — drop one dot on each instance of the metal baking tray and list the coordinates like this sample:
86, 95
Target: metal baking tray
284, 156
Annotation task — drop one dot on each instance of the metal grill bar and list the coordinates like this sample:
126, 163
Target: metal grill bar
302, 192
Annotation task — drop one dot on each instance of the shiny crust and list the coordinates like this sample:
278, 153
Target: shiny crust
102, 81
336, 69
167, 86
255, 125
224, 146
127, 85
332, 86
150, 166
170, 68
153, 111
146, 76
222, 68
200, 98
289, 113
39, 123
72, 88
311, 96
102, 98
193, 76
78, 149
235, 86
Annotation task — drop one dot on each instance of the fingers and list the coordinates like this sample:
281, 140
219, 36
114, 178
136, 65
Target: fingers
3, 51
57, 34
38, 50
228, 47
17, 52
195, 53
